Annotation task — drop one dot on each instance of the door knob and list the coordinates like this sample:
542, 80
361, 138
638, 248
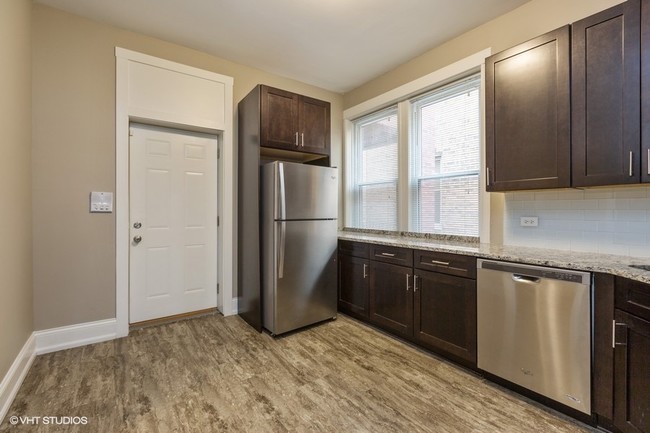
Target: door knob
137, 239
137, 225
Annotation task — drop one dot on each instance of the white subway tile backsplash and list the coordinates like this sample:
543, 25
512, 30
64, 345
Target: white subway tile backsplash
585, 204
607, 220
630, 215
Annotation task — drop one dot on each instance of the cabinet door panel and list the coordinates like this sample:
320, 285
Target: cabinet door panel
605, 97
391, 297
445, 314
353, 285
279, 118
314, 118
632, 378
645, 91
528, 115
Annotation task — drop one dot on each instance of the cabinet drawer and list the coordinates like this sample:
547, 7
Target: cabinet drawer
356, 249
446, 263
394, 255
633, 297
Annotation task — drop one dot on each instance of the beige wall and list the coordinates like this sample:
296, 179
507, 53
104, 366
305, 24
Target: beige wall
526, 22
16, 319
74, 153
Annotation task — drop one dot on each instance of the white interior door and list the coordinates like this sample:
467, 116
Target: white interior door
173, 222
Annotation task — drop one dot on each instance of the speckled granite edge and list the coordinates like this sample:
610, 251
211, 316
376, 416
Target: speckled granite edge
434, 236
592, 262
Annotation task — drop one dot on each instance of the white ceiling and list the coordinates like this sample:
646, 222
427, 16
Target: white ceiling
334, 44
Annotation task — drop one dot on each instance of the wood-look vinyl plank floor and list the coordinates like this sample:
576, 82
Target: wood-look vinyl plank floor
216, 374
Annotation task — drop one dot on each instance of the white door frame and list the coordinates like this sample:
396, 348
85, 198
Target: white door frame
221, 124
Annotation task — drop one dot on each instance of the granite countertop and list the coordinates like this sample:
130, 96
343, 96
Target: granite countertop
592, 262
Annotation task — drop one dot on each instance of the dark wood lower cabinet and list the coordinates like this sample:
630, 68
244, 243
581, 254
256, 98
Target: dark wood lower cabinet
391, 297
632, 374
445, 314
354, 283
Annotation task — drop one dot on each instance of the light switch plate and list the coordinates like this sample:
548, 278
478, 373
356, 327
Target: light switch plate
101, 202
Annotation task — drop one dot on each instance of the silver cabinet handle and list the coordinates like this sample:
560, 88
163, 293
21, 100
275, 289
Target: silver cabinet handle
631, 168
407, 282
415, 283
296, 138
648, 161
137, 239
614, 342
436, 262
365, 273
487, 175
302, 139
388, 254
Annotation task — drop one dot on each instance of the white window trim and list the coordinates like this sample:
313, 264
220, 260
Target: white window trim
400, 96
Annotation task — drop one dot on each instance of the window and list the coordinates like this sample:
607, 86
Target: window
439, 182
445, 160
375, 171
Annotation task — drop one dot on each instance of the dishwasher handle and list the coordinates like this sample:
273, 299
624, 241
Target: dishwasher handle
519, 278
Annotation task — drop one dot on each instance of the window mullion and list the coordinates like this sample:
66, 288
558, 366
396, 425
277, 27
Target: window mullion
403, 172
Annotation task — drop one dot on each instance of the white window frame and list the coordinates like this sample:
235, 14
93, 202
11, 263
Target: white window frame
355, 166
400, 96
415, 177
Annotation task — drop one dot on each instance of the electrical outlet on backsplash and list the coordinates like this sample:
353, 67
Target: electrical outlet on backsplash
613, 220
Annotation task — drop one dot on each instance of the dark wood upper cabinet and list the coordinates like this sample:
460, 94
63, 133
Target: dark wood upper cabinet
645, 91
279, 114
314, 117
528, 114
606, 84
294, 122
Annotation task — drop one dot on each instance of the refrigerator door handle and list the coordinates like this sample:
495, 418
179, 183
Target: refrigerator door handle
281, 194
281, 248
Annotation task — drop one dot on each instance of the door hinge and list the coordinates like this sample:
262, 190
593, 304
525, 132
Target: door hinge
217, 288
130, 132
218, 153
218, 221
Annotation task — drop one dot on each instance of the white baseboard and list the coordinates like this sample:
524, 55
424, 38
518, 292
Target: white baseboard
14, 378
235, 306
66, 337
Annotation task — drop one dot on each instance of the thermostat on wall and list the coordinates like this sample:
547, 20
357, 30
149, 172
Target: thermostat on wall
101, 201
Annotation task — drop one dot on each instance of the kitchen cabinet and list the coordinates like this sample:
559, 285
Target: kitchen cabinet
391, 297
354, 279
631, 340
603, 360
645, 91
269, 122
426, 297
528, 115
294, 122
445, 303
606, 85
391, 289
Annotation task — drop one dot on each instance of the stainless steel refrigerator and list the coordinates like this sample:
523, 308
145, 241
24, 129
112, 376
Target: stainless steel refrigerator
299, 237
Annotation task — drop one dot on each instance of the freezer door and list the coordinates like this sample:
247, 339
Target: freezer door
302, 289
304, 191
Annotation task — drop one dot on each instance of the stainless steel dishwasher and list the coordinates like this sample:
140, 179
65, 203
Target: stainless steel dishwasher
534, 329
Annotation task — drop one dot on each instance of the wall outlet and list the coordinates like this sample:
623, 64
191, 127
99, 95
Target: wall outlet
529, 221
